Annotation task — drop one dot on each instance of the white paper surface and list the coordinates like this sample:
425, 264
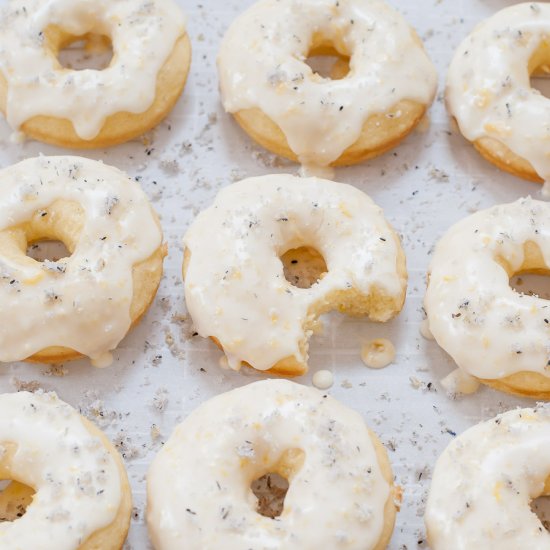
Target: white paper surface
161, 373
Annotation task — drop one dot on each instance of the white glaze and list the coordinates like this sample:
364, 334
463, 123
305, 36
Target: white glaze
490, 330
77, 482
488, 87
378, 353
262, 65
483, 483
323, 379
235, 287
425, 330
198, 486
82, 302
143, 34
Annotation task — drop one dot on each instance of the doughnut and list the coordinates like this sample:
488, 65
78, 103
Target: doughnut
69, 489
54, 311
296, 113
484, 481
235, 288
91, 108
489, 91
340, 494
492, 332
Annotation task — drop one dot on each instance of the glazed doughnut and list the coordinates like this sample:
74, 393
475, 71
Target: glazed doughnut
494, 333
489, 92
292, 111
69, 477
235, 287
484, 481
53, 311
340, 495
91, 108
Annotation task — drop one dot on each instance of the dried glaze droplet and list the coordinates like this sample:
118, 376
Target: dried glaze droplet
460, 382
323, 379
378, 353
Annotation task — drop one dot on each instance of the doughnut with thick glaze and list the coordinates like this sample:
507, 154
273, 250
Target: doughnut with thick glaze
490, 95
53, 311
341, 492
286, 107
70, 488
91, 108
494, 333
235, 287
484, 481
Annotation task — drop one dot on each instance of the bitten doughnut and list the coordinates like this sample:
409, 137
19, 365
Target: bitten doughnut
70, 489
484, 481
235, 288
91, 108
340, 494
292, 111
494, 333
489, 92
53, 311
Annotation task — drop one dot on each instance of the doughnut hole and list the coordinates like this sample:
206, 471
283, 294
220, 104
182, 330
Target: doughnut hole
532, 278
15, 496
542, 84
540, 506
328, 59
93, 50
303, 266
270, 484
532, 284
539, 69
48, 235
90, 51
49, 250
270, 490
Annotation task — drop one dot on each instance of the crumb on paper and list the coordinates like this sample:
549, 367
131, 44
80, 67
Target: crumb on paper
94, 409
123, 443
56, 370
25, 385
160, 399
